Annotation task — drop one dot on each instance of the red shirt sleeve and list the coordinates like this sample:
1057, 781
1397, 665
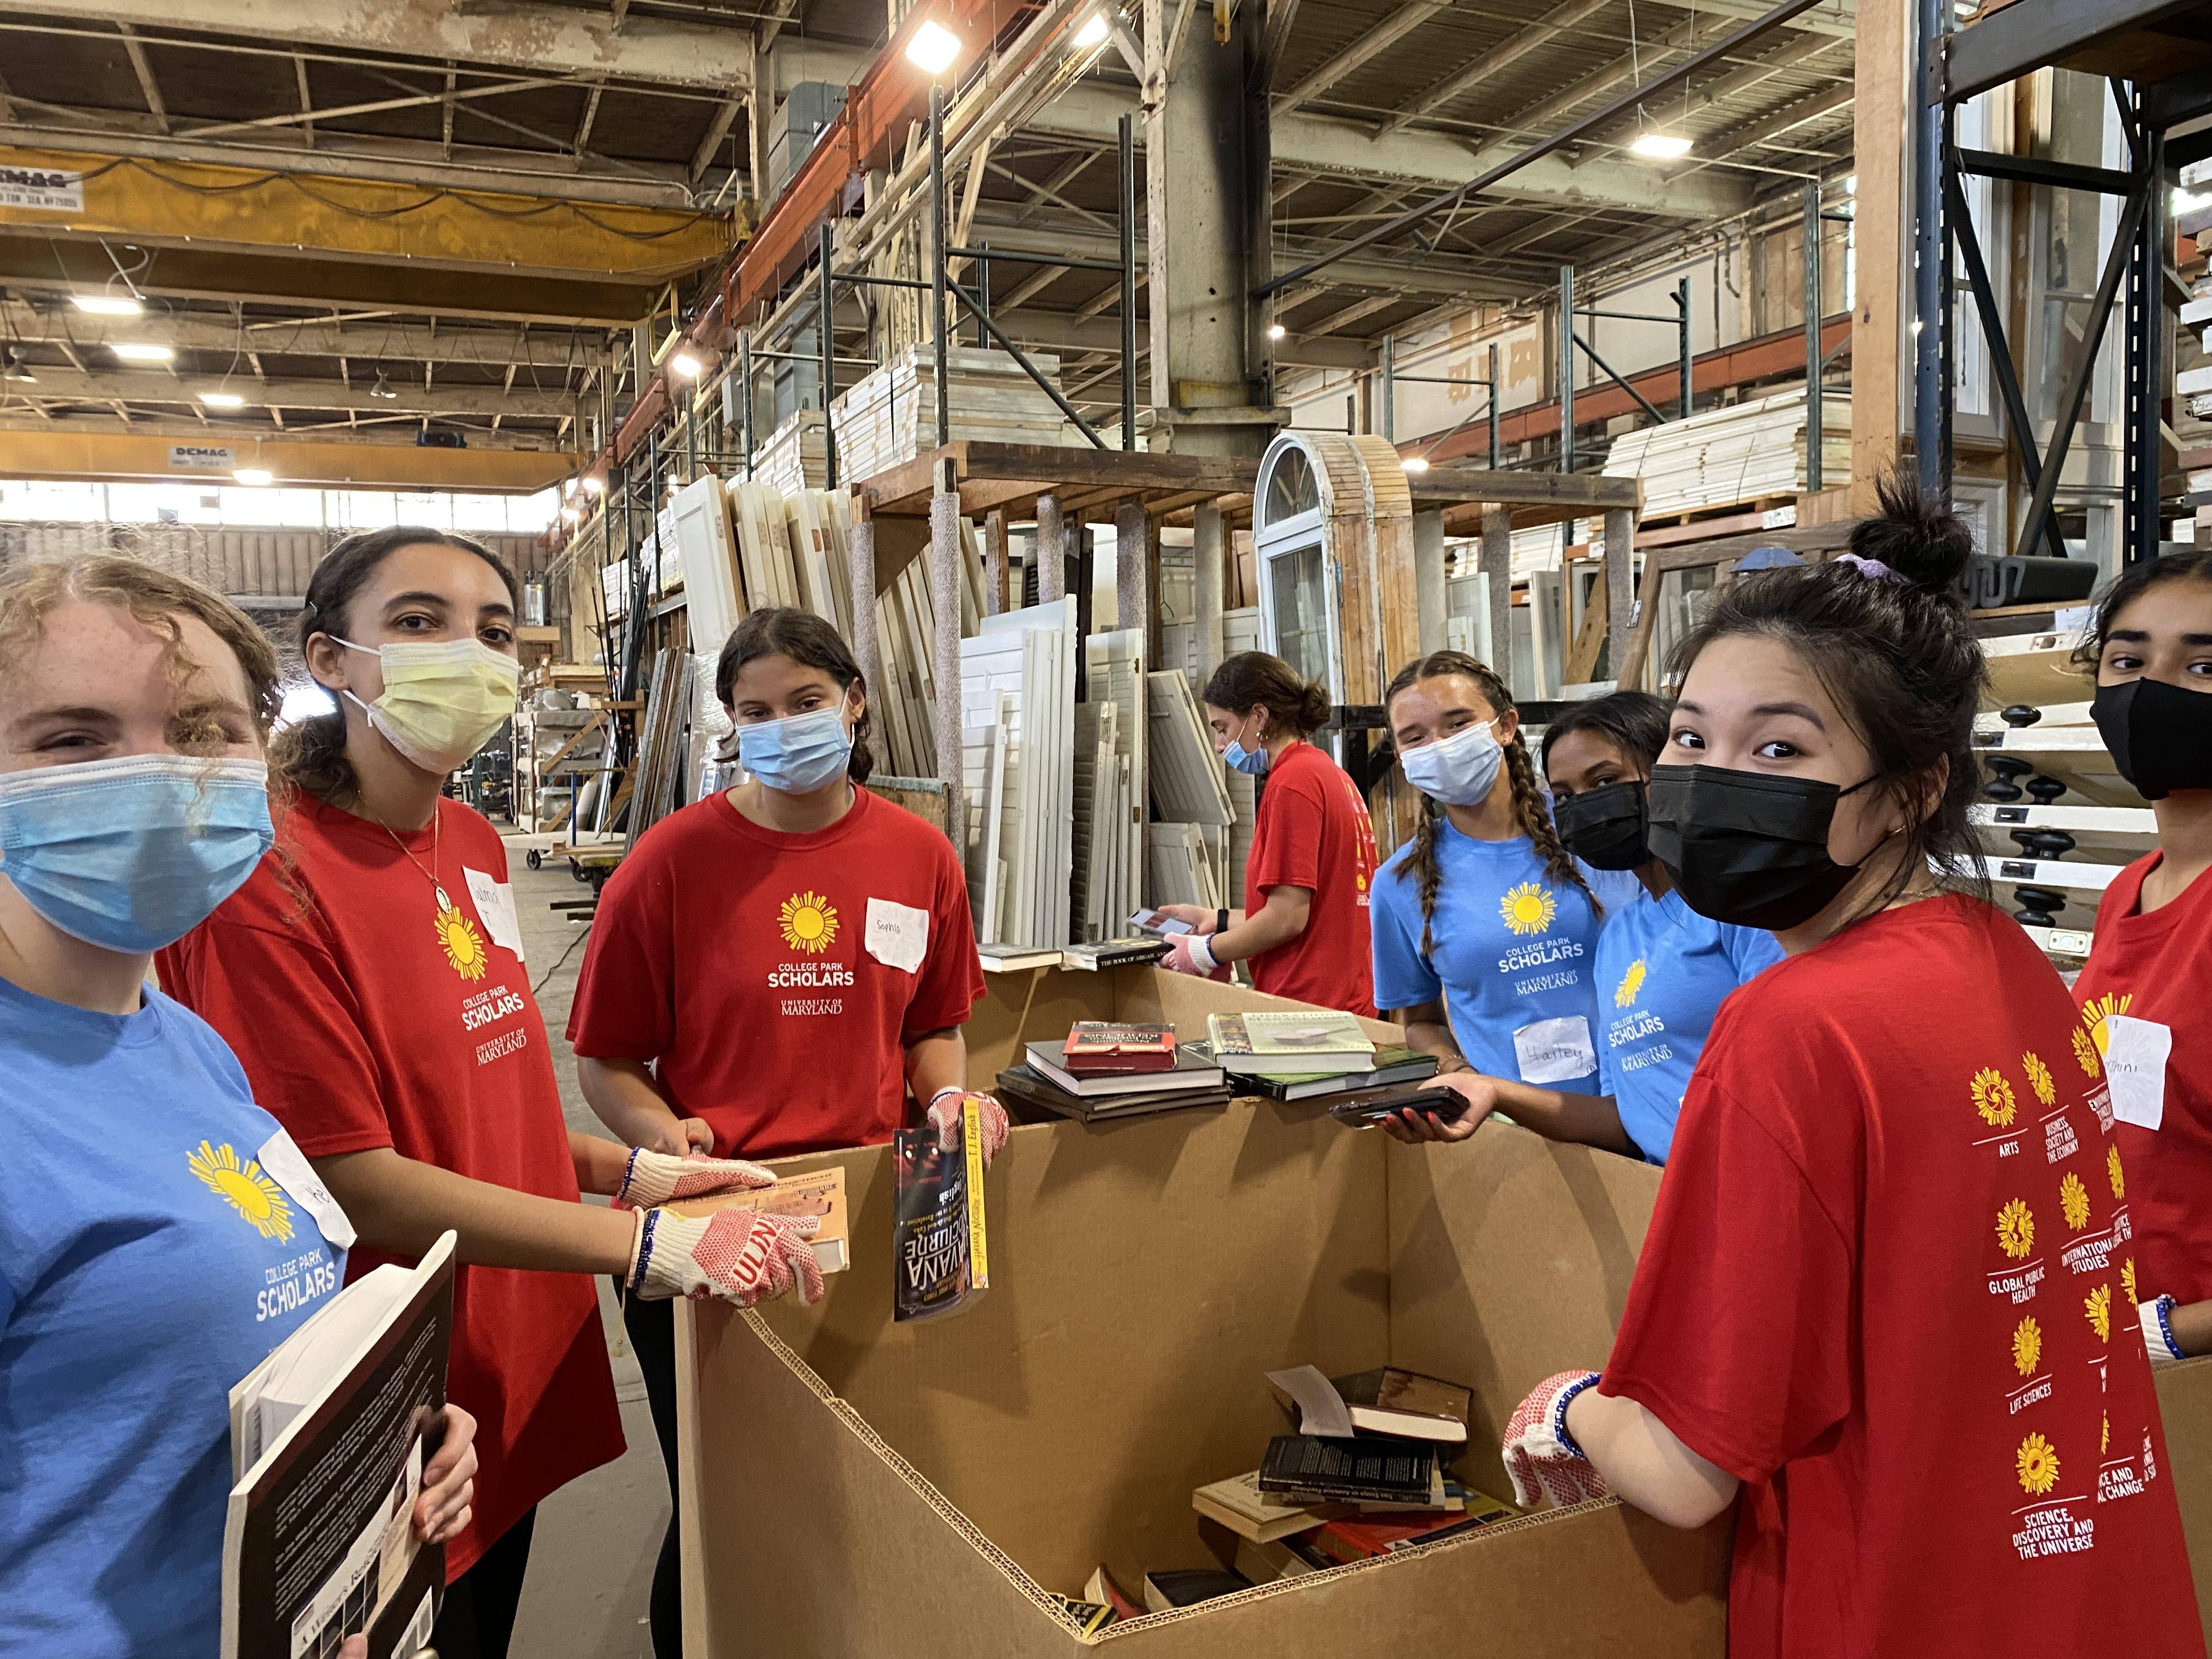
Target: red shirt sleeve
1737, 1330
1289, 853
950, 981
278, 998
625, 1001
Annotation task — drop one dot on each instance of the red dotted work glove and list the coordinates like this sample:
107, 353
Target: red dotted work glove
946, 1113
1188, 953
1541, 1455
653, 1178
734, 1255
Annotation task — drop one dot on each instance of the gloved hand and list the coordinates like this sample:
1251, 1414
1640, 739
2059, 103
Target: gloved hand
1541, 1455
944, 1118
2157, 1317
653, 1178
739, 1257
1189, 953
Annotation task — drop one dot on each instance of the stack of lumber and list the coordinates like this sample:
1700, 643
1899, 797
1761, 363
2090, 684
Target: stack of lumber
1115, 674
1017, 676
796, 455
1105, 826
890, 417
1741, 453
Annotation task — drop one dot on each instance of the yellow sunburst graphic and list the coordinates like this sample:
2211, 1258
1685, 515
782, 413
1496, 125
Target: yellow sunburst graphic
2037, 1462
2128, 1280
241, 1184
2074, 1202
2039, 1079
1993, 1097
1527, 908
809, 923
2027, 1347
2114, 1173
2015, 1229
2104, 1444
464, 946
2085, 1054
2098, 1304
1631, 983
2097, 1010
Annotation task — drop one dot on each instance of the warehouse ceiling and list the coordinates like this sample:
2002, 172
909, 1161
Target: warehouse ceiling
364, 221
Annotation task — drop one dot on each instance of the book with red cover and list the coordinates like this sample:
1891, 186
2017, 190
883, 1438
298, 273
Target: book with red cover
1339, 1543
1098, 1047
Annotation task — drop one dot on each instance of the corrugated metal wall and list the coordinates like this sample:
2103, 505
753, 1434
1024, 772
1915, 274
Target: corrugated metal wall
241, 563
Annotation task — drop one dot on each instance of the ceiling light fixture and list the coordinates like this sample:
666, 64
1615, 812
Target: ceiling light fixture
383, 388
1093, 33
594, 485
934, 48
107, 304
13, 368
139, 351
1415, 463
1275, 330
1660, 146
222, 400
259, 477
685, 364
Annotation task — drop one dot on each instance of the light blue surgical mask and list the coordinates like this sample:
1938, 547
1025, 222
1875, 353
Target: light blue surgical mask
1458, 770
1251, 762
799, 755
132, 853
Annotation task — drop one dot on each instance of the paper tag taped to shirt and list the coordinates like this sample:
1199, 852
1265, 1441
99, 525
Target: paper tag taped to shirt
283, 1163
495, 902
1554, 1050
897, 934
2134, 1063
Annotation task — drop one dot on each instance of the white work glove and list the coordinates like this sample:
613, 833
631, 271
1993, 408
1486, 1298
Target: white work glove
945, 1117
1189, 953
652, 1178
733, 1254
2157, 1317
1541, 1455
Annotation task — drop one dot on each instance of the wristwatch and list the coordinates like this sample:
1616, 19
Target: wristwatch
1221, 921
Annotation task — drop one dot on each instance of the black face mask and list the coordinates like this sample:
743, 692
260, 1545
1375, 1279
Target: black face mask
1604, 827
2160, 736
1745, 848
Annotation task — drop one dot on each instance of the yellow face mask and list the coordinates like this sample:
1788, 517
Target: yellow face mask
442, 700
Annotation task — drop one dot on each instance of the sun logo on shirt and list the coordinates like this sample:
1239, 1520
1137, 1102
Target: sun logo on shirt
241, 1184
2039, 1079
2036, 1464
1631, 983
2105, 1442
2074, 1202
2098, 1304
2128, 1280
809, 922
464, 946
2015, 1229
1993, 1097
2026, 1345
1527, 908
2113, 1173
2094, 1035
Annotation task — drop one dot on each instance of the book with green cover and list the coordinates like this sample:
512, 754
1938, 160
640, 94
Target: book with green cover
1318, 1042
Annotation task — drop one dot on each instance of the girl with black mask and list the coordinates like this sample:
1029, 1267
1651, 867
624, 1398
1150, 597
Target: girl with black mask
2141, 995
1877, 1309
1661, 969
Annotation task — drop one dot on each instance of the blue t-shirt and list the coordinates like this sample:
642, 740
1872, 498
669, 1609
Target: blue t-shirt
146, 1263
1662, 971
1511, 956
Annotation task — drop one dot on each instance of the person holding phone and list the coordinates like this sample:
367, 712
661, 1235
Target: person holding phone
1303, 928
1662, 970
2143, 992
370, 975
1880, 1309
160, 1233
780, 967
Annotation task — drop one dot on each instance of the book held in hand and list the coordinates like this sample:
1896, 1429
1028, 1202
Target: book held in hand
329, 1437
1393, 1065
816, 1192
1098, 1048
938, 1249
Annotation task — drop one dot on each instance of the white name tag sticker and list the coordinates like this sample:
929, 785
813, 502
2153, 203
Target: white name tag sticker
1555, 1050
897, 934
283, 1163
2134, 1063
494, 903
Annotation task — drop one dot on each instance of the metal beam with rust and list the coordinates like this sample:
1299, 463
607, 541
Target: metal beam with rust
62, 451
408, 398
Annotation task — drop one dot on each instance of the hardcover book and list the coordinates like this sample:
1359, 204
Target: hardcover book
1107, 1048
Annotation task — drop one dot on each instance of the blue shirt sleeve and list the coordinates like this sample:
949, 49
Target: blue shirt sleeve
1403, 976
1751, 950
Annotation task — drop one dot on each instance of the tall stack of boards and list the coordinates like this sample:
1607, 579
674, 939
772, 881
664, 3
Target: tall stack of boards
1017, 720
889, 416
1736, 455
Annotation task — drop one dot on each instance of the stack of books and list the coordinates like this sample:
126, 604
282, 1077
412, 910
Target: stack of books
1307, 1056
1113, 1069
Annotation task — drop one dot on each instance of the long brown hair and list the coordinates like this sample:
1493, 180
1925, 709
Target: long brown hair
1529, 806
1252, 679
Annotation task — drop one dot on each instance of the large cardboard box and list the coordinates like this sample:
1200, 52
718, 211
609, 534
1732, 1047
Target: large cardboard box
857, 1488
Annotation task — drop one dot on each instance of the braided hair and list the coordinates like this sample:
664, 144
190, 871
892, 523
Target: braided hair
1529, 807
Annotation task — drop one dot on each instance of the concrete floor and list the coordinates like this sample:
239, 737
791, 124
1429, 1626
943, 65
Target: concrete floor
592, 1560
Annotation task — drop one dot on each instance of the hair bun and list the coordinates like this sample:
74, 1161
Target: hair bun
1915, 534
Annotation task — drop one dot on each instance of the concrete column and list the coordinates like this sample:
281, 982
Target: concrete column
860, 569
1429, 590
1209, 551
1619, 586
995, 564
945, 592
1051, 551
1496, 562
1133, 573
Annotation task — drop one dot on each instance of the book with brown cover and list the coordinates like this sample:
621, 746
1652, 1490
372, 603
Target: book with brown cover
1100, 1047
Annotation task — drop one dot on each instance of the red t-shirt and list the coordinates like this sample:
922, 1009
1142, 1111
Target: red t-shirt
2159, 967
1312, 832
773, 980
1885, 1288
366, 1017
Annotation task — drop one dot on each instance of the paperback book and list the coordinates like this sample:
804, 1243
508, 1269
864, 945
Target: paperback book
816, 1192
939, 1253
1366, 1469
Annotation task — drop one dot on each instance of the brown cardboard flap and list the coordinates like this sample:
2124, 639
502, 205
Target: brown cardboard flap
2184, 1405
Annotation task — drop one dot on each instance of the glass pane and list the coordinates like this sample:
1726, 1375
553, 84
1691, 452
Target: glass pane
1683, 596
1291, 489
1301, 613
